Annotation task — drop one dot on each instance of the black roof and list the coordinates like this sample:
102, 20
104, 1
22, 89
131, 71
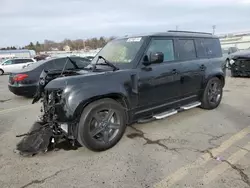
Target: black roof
173, 33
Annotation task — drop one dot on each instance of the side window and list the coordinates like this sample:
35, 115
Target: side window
9, 62
19, 61
165, 46
186, 49
27, 60
59, 64
213, 47
200, 48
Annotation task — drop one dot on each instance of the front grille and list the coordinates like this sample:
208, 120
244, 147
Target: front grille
244, 65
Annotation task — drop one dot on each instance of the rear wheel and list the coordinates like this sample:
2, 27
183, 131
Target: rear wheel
1, 72
102, 124
212, 94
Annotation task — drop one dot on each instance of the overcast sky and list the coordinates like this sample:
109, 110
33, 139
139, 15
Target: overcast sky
22, 21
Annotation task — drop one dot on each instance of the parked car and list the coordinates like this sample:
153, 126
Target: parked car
41, 57
240, 64
12, 65
25, 81
132, 79
227, 54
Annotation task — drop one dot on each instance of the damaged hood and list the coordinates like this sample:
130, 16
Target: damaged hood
82, 77
245, 54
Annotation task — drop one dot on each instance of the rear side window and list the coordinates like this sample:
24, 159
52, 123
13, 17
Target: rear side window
187, 49
18, 61
213, 47
28, 60
165, 46
208, 48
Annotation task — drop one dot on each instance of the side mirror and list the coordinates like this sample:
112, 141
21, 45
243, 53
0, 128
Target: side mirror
154, 58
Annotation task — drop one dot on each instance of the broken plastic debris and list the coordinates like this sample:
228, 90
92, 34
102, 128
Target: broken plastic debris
219, 158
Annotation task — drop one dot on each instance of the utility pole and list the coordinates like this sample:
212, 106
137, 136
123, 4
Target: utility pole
214, 28
176, 27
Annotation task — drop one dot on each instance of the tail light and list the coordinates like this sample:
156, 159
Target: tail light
20, 77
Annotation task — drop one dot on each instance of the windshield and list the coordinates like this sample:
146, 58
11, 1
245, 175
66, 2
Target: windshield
121, 50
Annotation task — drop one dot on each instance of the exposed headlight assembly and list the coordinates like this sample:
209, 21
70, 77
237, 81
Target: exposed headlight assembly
231, 62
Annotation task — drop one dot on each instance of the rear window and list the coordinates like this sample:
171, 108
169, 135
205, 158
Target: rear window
208, 48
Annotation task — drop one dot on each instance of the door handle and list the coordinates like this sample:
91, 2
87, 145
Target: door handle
202, 67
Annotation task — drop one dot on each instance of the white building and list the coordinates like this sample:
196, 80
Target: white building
238, 40
4, 54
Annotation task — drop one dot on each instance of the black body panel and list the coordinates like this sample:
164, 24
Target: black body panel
146, 90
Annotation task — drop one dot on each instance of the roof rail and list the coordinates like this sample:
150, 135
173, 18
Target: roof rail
189, 32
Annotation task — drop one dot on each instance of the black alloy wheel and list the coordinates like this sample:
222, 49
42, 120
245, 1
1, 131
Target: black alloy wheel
212, 94
102, 124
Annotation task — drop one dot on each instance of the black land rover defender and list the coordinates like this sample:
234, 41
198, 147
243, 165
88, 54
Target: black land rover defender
133, 79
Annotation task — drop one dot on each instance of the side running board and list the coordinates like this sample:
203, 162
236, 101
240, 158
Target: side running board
165, 114
192, 105
175, 111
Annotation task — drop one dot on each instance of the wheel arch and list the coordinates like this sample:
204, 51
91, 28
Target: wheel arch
220, 76
119, 97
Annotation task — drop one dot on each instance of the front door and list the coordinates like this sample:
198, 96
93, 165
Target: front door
159, 84
8, 66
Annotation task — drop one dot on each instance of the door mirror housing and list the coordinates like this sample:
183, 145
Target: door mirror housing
154, 58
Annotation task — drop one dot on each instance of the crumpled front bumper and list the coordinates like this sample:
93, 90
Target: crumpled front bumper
241, 67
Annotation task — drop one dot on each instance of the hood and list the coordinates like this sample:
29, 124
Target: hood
241, 54
80, 77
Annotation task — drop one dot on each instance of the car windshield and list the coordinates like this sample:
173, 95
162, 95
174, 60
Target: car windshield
121, 50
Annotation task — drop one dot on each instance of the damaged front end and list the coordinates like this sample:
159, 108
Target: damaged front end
240, 66
50, 129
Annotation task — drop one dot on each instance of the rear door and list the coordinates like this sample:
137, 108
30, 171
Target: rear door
19, 64
192, 69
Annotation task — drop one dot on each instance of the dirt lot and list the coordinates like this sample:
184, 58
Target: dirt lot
196, 148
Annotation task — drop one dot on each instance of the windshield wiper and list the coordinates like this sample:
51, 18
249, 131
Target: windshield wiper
106, 63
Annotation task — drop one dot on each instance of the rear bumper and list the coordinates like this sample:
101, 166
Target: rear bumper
23, 90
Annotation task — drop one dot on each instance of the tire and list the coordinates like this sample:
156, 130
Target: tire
98, 141
1, 72
212, 92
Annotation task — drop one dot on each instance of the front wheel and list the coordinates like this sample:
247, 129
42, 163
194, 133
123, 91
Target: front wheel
212, 94
1, 72
102, 124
